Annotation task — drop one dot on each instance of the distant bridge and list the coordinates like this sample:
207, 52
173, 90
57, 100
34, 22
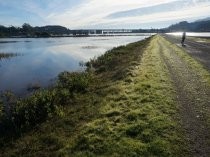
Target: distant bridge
101, 31
113, 31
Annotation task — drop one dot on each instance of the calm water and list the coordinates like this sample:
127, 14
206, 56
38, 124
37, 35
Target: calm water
42, 59
192, 34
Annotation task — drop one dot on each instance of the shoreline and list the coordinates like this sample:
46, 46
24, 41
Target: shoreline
125, 103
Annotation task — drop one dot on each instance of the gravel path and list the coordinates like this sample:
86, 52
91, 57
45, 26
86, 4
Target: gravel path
198, 50
193, 95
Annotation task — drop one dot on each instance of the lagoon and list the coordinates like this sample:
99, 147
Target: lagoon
40, 60
192, 34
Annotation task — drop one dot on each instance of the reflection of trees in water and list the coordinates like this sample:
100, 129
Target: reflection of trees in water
8, 55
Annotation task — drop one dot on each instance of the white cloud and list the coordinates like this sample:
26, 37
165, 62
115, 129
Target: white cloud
186, 13
94, 11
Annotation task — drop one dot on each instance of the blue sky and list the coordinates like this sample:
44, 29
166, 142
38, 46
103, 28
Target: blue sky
76, 14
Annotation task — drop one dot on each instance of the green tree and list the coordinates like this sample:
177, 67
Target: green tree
27, 28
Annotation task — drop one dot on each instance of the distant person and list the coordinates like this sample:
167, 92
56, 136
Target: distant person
183, 38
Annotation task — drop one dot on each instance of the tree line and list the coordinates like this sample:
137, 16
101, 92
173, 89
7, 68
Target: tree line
26, 30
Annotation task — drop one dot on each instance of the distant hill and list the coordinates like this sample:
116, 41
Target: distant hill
205, 19
202, 25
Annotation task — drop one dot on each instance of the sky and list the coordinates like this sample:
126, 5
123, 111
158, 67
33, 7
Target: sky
104, 14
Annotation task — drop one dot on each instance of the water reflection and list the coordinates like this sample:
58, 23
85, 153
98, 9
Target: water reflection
44, 58
192, 34
8, 55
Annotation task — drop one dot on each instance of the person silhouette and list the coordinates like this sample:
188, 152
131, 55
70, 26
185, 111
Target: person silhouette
183, 38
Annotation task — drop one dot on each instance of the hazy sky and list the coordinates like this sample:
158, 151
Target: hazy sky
102, 13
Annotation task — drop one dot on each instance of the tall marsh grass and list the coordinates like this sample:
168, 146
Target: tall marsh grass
8, 55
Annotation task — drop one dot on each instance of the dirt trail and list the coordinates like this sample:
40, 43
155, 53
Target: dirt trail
193, 95
198, 50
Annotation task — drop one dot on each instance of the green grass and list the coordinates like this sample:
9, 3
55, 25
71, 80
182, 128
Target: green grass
137, 116
122, 106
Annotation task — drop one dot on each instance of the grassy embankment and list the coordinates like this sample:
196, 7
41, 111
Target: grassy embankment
124, 106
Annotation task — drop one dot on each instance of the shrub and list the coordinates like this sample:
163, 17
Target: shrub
23, 114
75, 81
34, 109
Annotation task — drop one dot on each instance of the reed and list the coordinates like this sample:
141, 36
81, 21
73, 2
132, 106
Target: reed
8, 55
